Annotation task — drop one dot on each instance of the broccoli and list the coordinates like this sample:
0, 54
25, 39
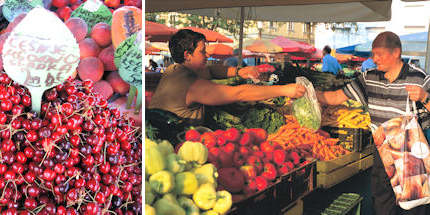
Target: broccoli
263, 117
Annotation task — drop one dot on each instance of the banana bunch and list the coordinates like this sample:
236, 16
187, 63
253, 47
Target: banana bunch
355, 118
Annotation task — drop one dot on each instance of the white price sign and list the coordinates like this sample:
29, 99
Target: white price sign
40, 53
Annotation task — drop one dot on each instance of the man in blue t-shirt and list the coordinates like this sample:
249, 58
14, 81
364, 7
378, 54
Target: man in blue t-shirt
330, 63
368, 64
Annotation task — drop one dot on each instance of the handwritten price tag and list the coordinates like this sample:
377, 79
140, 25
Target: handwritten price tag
93, 12
40, 53
12, 8
126, 21
130, 66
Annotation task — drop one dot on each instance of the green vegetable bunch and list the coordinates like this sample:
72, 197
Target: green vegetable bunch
263, 117
305, 113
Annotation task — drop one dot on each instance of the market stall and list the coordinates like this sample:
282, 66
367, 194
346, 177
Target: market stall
335, 161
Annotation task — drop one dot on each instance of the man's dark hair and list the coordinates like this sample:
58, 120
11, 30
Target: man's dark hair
327, 49
184, 40
387, 40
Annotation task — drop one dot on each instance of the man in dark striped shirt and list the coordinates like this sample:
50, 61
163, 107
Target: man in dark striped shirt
384, 91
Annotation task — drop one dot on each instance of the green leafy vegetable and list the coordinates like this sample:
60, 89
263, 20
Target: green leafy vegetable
305, 113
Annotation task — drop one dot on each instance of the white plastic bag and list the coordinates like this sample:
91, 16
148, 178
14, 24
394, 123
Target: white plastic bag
307, 109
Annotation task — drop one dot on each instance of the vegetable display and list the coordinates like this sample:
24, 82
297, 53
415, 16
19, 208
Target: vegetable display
242, 116
307, 141
186, 184
305, 114
246, 160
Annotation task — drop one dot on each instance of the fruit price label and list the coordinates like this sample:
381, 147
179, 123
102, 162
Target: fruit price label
40, 53
126, 21
130, 67
93, 12
12, 8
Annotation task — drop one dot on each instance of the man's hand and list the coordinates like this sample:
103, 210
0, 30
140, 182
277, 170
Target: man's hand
249, 72
416, 93
294, 90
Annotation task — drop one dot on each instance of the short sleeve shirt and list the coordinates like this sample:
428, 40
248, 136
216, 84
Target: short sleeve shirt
387, 100
172, 89
330, 64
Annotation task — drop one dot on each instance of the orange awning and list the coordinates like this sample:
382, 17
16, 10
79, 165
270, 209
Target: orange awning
219, 50
211, 36
156, 32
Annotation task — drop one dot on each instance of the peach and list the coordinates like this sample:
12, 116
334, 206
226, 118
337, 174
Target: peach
101, 34
107, 57
90, 68
118, 85
88, 48
78, 27
103, 88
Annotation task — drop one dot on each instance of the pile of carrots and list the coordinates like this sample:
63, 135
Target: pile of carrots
308, 142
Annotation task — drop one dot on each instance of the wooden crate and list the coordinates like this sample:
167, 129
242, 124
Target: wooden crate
327, 180
331, 165
294, 209
366, 162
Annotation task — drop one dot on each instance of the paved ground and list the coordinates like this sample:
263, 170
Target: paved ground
318, 200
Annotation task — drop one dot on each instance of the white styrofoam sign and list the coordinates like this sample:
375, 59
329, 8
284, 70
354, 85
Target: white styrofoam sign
40, 53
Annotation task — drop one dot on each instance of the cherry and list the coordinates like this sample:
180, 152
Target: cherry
113, 148
30, 176
26, 101
100, 198
49, 174
71, 90
93, 185
29, 152
80, 182
104, 168
61, 210
3, 169
59, 168
17, 110
30, 204
3, 118
18, 168
15, 99
33, 191
56, 119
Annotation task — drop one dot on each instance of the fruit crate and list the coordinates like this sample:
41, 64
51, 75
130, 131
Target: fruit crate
296, 184
342, 161
329, 179
353, 139
262, 202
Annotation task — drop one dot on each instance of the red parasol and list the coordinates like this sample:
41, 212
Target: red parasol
211, 36
156, 32
290, 46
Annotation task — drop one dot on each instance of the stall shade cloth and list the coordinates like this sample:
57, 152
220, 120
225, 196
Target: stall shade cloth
293, 46
262, 46
281, 10
219, 50
211, 36
412, 44
156, 32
